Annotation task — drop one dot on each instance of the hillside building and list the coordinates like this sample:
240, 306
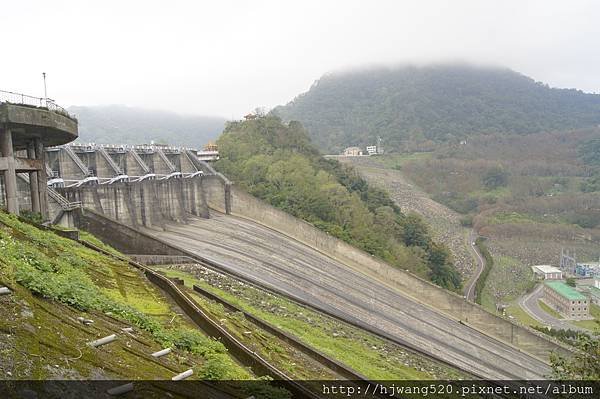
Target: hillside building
371, 149
566, 300
588, 269
352, 152
210, 152
547, 272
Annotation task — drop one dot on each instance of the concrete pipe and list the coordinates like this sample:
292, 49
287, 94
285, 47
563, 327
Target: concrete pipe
162, 352
183, 375
85, 321
103, 341
120, 390
4, 291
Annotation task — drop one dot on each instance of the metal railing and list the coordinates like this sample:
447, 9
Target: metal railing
77, 160
24, 99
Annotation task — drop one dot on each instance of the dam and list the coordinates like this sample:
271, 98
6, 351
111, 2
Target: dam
160, 200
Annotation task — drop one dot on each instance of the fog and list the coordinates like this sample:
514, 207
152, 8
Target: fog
228, 57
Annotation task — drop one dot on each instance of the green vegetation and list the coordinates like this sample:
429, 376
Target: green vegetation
507, 280
591, 184
62, 270
549, 310
587, 324
413, 108
567, 336
595, 311
583, 365
522, 316
277, 163
362, 351
590, 152
494, 178
530, 194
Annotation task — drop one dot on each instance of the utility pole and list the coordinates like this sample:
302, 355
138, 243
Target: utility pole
45, 90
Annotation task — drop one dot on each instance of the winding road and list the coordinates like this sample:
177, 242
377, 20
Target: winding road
469, 290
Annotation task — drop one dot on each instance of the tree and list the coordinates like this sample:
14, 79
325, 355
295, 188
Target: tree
495, 177
590, 152
571, 281
583, 365
415, 232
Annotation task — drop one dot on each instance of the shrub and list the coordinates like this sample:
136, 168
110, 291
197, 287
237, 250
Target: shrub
466, 221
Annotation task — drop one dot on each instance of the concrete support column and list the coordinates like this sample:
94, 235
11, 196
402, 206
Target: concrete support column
10, 176
33, 181
42, 179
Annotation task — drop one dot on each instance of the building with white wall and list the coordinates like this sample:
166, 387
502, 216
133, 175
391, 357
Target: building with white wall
547, 272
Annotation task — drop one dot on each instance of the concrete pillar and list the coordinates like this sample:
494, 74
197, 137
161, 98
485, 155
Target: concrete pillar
10, 176
42, 179
33, 181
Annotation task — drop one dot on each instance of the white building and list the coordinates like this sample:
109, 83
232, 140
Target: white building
371, 149
547, 272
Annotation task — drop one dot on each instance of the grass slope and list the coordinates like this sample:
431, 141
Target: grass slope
56, 279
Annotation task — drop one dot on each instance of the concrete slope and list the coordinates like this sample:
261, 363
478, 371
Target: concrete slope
285, 265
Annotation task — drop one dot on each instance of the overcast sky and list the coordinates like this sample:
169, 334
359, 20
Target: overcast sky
228, 57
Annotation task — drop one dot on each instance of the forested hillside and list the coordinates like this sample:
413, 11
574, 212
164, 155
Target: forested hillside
278, 163
530, 195
412, 108
127, 125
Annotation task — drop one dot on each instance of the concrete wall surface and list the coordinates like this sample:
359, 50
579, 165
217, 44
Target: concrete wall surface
149, 203
453, 305
217, 189
123, 238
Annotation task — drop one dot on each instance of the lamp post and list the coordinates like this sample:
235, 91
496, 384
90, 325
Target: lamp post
45, 90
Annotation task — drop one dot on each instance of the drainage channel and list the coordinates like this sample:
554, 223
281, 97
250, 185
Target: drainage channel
316, 355
240, 351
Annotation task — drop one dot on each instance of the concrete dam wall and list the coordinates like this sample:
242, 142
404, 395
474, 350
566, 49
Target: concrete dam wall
149, 203
244, 205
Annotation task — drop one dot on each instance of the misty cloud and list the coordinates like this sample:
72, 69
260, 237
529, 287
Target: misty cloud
228, 57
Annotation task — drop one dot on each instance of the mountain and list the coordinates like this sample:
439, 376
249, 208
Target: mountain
412, 108
126, 125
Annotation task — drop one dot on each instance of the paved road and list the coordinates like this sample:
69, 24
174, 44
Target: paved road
529, 303
287, 266
470, 288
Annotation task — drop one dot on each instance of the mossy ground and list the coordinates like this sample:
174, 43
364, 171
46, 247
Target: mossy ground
55, 280
285, 357
362, 351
